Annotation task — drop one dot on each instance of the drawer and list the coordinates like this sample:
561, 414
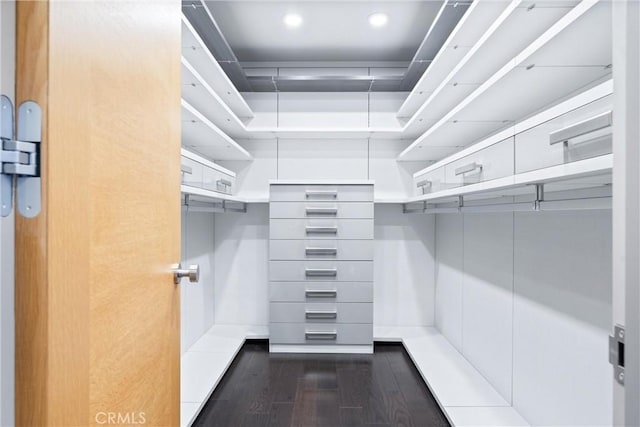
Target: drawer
429, 182
320, 334
321, 312
338, 193
215, 180
346, 250
577, 135
324, 271
495, 161
321, 210
357, 229
321, 291
191, 172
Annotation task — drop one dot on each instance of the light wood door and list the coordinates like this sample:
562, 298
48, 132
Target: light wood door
96, 308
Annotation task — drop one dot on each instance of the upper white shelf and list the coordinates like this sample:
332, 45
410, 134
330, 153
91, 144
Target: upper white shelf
519, 24
550, 68
203, 137
200, 58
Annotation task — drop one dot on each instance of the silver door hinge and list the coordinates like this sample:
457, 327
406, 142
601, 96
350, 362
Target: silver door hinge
20, 158
616, 353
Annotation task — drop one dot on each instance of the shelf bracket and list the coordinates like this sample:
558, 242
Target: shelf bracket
539, 197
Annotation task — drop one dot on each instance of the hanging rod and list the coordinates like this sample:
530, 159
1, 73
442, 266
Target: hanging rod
540, 203
211, 204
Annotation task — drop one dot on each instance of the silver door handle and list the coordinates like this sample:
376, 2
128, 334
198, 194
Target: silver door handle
224, 182
322, 211
425, 183
584, 127
313, 314
186, 169
324, 272
321, 251
320, 293
324, 336
193, 273
331, 194
468, 168
321, 230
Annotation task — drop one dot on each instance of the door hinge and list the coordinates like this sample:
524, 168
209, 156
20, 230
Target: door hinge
20, 158
616, 353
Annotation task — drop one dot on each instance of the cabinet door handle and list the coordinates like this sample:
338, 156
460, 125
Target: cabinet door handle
321, 230
322, 211
321, 251
315, 314
186, 169
224, 182
321, 272
320, 293
601, 121
425, 183
322, 336
323, 194
468, 168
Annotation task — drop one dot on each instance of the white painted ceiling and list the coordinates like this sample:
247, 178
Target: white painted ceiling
332, 30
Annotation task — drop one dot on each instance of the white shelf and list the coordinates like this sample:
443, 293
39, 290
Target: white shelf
516, 90
201, 59
461, 391
205, 363
202, 136
201, 192
199, 94
512, 31
476, 21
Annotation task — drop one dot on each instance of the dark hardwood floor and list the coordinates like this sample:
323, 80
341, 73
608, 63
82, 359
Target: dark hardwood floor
262, 389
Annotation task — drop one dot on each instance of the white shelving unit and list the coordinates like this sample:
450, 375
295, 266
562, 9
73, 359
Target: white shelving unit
201, 59
549, 69
519, 24
202, 136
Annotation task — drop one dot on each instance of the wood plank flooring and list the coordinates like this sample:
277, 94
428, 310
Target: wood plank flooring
262, 389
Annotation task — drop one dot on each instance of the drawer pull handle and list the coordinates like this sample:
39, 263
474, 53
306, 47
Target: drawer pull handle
321, 230
320, 293
330, 194
425, 183
321, 272
186, 169
601, 121
224, 182
321, 314
321, 336
321, 251
468, 168
322, 211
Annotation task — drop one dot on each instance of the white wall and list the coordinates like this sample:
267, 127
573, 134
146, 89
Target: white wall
404, 268
526, 298
7, 323
197, 300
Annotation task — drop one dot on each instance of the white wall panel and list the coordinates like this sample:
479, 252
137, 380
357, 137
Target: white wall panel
487, 301
323, 159
562, 317
265, 108
403, 268
394, 180
449, 277
197, 299
326, 109
241, 267
383, 107
252, 178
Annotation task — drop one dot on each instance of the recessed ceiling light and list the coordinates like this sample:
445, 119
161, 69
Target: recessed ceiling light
292, 20
378, 19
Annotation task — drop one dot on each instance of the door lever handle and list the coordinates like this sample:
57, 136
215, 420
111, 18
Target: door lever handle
193, 273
